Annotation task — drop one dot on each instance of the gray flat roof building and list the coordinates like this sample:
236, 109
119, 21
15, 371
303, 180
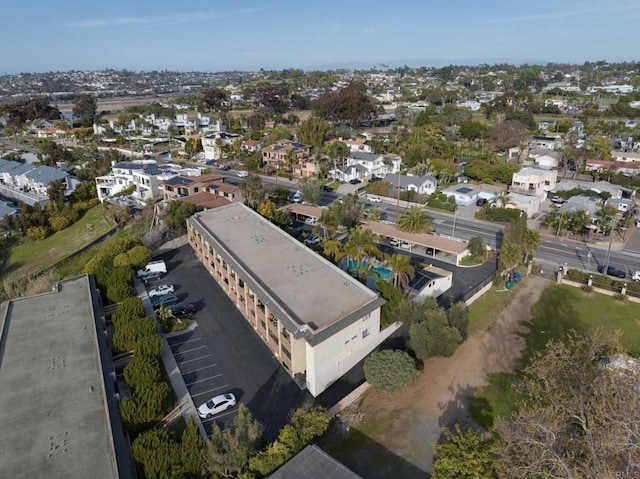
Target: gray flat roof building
58, 415
313, 463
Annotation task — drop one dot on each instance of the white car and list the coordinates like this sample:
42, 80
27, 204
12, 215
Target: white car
375, 199
311, 221
216, 405
394, 242
406, 245
243, 173
162, 290
636, 276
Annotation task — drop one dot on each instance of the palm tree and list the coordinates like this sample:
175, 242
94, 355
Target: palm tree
510, 255
414, 220
363, 243
401, 268
530, 242
334, 250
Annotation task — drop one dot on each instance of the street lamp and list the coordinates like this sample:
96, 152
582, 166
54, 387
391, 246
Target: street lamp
588, 261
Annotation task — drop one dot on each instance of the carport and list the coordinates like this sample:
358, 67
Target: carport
453, 250
302, 212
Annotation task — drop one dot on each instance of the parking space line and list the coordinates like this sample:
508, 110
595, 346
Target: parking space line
209, 391
218, 416
196, 370
184, 342
197, 359
189, 350
205, 379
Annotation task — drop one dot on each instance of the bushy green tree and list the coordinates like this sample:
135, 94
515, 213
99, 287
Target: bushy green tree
464, 454
229, 450
390, 370
129, 309
150, 345
306, 425
192, 452
458, 316
142, 371
127, 334
177, 214
157, 453
476, 247
434, 336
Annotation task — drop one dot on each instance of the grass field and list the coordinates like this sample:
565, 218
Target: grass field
560, 309
31, 257
484, 310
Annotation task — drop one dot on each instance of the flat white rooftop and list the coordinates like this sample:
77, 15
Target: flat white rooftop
311, 289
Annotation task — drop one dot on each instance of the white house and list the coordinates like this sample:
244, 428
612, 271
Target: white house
376, 165
550, 141
146, 177
545, 158
528, 203
424, 185
212, 144
29, 184
434, 281
359, 145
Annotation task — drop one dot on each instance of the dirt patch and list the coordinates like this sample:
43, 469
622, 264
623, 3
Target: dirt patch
413, 417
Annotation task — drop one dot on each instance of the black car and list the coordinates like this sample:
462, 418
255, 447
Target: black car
182, 310
374, 179
613, 271
151, 277
355, 181
481, 202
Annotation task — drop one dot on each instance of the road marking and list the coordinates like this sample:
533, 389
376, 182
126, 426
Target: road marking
189, 350
205, 379
197, 359
185, 342
199, 369
218, 416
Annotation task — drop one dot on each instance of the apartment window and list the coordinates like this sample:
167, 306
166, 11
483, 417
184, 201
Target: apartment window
366, 316
273, 337
262, 323
286, 353
365, 333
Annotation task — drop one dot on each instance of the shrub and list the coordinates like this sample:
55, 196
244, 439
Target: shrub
586, 288
37, 233
149, 346
142, 371
620, 297
127, 334
390, 370
58, 223
129, 309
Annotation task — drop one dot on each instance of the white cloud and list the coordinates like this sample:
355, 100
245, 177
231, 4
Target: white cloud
601, 10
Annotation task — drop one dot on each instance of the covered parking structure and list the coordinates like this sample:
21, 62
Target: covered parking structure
445, 249
303, 212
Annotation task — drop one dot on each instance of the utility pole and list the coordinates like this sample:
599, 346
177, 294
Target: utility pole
613, 229
455, 217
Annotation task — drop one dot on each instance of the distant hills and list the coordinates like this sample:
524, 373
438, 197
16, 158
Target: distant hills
423, 62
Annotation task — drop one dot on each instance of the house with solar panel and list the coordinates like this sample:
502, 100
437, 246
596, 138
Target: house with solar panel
146, 177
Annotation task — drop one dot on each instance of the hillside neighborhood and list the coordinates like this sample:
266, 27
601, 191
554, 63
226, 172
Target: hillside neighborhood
343, 273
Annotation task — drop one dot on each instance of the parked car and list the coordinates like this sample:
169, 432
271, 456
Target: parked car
297, 231
394, 242
311, 221
147, 278
182, 310
223, 168
326, 189
165, 301
374, 199
481, 202
312, 239
375, 178
243, 173
406, 245
216, 405
613, 271
557, 200
636, 276
162, 290
297, 197
355, 181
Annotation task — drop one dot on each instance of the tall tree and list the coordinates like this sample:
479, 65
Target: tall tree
212, 99
350, 104
508, 134
85, 106
464, 454
313, 132
531, 241
574, 418
510, 255
401, 268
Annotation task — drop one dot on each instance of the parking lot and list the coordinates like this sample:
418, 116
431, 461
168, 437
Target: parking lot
223, 354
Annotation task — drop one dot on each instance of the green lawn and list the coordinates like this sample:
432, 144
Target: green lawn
31, 257
560, 309
484, 310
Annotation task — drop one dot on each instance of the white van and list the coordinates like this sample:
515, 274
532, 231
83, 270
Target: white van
297, 197
243, 173
152, 267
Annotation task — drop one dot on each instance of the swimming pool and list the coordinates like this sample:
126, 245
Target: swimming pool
384, 273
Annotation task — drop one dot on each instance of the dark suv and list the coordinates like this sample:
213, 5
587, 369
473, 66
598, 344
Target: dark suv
182, 310
613, 271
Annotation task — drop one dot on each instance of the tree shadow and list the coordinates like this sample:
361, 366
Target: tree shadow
455, 410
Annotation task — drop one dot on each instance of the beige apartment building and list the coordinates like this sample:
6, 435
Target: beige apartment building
317, 320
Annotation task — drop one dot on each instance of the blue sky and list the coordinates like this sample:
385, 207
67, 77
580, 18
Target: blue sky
145, 35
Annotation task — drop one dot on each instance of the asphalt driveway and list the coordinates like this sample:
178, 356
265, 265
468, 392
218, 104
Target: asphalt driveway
223, 353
